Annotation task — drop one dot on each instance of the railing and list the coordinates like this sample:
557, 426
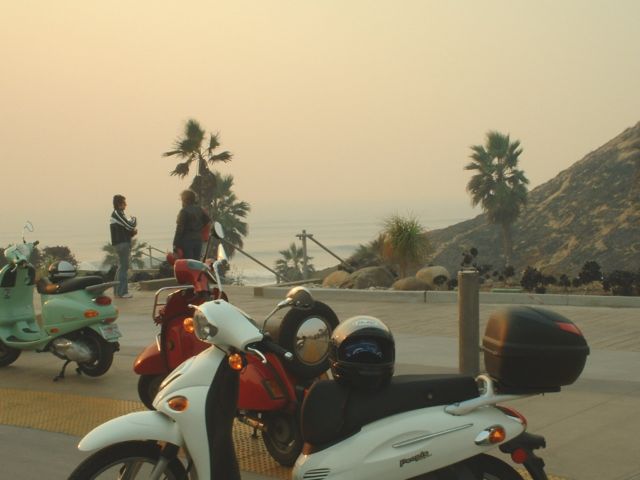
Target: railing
279, 277
305, 258
151, 257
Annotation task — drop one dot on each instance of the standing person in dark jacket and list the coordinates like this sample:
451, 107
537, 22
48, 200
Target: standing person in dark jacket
191, 219
123, 228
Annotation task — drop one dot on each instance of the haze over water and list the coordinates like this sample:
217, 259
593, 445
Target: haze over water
336, 111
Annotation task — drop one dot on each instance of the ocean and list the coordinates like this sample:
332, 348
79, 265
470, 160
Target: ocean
264, 241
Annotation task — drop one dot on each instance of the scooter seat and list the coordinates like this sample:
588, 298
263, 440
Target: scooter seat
332, 412
69, 285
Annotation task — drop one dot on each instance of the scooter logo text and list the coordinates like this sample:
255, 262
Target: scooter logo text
416, 458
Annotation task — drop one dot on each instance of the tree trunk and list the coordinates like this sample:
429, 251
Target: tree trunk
507, 244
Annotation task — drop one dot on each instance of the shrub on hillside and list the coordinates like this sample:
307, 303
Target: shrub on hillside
622, 282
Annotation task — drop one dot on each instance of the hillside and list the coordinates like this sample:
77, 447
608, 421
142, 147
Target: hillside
590, 211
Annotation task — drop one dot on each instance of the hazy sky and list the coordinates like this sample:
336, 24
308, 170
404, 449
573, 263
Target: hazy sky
353, 109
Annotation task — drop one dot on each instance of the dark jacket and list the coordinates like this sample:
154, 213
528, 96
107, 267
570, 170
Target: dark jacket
122, 227
189, 225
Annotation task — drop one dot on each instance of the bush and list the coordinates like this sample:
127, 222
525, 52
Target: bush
590, 273
534, 280
621, 282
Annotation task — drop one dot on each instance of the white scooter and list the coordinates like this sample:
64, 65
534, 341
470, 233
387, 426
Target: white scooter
427, 427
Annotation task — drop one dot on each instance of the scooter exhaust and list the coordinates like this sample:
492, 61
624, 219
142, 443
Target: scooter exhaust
70, 350
252, 422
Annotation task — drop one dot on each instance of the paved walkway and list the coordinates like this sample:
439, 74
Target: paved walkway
590, 426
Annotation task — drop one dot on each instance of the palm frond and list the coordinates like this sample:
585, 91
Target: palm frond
181, 170
221, 157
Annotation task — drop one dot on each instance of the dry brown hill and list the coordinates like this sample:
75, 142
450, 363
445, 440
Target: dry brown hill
590, 211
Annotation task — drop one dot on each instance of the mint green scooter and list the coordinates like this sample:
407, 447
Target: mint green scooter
77, 323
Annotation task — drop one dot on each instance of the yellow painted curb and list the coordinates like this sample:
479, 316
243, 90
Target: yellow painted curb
76, 415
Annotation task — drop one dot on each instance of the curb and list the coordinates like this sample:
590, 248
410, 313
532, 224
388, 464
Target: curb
434, 297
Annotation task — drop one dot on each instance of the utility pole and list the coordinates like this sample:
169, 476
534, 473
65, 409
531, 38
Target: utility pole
303, 236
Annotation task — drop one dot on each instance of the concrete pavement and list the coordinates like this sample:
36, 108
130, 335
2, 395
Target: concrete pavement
590, 426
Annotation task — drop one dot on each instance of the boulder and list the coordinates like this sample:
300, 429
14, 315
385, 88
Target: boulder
410, 284
335, 279
369, 277
435, 276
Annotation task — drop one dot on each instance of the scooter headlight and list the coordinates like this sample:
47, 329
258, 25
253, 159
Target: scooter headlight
203, 329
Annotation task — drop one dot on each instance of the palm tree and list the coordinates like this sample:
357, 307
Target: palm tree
137, 254
190, 149
229, 211
405, 242
290, 266
499, 187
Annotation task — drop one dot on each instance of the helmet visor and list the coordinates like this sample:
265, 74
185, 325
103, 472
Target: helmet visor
363, 350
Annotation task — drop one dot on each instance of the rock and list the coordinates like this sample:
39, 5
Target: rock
435, 277
410, 284
368, 277
335, 279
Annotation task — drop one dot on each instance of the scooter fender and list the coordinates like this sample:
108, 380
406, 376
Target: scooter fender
150, 361
134, 426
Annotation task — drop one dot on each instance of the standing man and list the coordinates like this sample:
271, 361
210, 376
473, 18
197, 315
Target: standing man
191, 220
123, 228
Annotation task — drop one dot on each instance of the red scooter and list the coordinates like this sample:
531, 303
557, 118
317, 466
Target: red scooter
270, 393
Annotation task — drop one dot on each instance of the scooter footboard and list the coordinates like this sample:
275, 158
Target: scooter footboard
134, 426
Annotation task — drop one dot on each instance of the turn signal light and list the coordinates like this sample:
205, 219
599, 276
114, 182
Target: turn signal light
188, 325
178, 404
497, 434
491, 436
91, 313
236, 362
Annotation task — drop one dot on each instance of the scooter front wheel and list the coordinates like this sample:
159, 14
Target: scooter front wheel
8, 355
130, 460
102, 353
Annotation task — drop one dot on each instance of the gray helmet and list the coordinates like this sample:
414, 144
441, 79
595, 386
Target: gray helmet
60, 270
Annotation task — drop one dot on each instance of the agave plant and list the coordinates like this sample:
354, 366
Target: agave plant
405, 243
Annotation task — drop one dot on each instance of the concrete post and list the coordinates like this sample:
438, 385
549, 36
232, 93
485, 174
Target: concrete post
469, 322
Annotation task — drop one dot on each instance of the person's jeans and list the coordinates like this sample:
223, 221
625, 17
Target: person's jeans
192, 249
123, 251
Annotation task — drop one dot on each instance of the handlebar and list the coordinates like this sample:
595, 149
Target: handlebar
269, 345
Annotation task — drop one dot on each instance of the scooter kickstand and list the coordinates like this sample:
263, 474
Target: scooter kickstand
61, 374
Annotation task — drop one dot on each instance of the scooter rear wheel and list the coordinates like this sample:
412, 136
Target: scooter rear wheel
133, 459
282, 437
480, 467
488, 467
8, 355
102, 354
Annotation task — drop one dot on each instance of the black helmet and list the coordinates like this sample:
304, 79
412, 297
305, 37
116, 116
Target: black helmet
362, 353
60, 270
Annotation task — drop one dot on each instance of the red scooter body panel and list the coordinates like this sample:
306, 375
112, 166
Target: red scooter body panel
265, 387
179, 344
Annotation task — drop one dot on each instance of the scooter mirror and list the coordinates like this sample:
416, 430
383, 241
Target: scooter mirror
218, 231
222, 253
28, 227
300, 297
